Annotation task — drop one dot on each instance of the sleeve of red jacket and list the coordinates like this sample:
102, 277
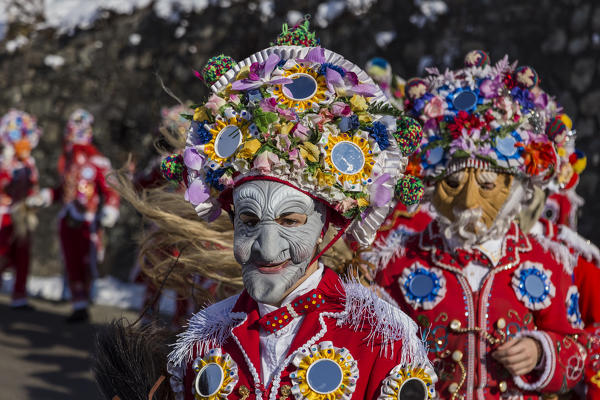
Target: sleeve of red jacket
109, 195
561, 365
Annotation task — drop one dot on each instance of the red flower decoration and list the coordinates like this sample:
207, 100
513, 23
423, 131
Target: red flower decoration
538, 158
465, 121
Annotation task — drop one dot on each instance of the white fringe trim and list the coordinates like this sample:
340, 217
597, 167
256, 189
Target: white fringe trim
386, 323
548, 362
578, 243
559, 251
207, 329
385, 250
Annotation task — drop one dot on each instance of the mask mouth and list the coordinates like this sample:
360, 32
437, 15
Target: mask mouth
272, 268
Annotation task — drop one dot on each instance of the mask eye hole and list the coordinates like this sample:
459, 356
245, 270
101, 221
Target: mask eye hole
291, 219
488, 185
453, 181
249, 219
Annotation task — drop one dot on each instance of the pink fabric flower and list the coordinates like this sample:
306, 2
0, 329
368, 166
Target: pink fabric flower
340, 109
301, 132
265, 161
435, 108
489, 88
345, 205
214, 103
269, 104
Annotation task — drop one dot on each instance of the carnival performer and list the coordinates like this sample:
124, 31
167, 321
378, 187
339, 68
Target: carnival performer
293, 139
495, 302
19, 134
89, 205
557, 229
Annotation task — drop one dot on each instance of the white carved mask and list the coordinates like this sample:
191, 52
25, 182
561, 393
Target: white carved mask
276, 231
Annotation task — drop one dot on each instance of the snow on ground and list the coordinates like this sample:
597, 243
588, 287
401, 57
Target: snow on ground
107, 291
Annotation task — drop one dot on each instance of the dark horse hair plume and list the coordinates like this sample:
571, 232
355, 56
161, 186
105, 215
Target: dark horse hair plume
130, 362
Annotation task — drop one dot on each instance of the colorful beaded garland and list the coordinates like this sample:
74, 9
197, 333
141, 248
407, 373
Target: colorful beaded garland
409, 190
172, 167
216, 67
477, 58
408, 134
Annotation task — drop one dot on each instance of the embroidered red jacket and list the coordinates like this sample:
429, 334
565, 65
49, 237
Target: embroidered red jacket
586, 274
83, 184
18, 180
525, 293
366, 335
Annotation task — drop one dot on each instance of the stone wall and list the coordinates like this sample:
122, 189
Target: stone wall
112, 69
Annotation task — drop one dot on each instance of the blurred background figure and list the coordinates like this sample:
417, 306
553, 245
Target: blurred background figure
19, 134
89, 205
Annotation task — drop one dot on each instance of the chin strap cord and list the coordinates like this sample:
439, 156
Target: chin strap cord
331, 242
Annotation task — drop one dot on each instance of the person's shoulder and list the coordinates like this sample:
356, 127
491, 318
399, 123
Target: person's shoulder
209, 327
382, 324
553, 253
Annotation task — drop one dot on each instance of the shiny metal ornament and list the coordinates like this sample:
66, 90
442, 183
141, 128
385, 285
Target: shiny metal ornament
303, 87
216, 375
227, 141
347, 157
465, 100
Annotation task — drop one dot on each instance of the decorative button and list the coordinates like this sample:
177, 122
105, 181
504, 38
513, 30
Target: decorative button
453, 387
457, 355
502, 386
501, 323
455, 324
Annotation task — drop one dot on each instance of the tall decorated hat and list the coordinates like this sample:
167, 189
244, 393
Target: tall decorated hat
304, 116
483, 116
18, 127
79, 127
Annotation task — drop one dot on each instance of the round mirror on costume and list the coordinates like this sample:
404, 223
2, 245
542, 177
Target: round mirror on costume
209, 380
409, 383
465, 100
216, 375
303, 87
413, 389
324, 371
324, 376
533, 286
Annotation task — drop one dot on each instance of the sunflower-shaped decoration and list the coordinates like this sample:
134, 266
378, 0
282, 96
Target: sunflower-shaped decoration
350, 159
306, 89
228, 134
324, 372
408, 382
216, 375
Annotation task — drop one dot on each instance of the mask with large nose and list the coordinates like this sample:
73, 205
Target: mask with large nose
276, 232
477, 193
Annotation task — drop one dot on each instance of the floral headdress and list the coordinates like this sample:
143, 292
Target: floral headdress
79, 127
495, 117
17, 125
302, 116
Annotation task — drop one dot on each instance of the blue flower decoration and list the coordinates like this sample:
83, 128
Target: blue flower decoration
532, 285
573, 313
348, 124
506, 147
423, 287
378, 131
201, 134
337, 68
434, 155
523, 97
254, 95
420, 103
463, 99
212, 178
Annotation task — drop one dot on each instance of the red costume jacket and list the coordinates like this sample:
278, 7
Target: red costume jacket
18, 180
585, 258
83, 184
365, 336
525, 293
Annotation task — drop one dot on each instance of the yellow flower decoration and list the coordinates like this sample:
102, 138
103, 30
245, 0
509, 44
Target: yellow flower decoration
300, 105
358, 103
216, 375
416, 377
200, 114
324, 372
249, 149
226, 129
309, 151
347, 170
325, 179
